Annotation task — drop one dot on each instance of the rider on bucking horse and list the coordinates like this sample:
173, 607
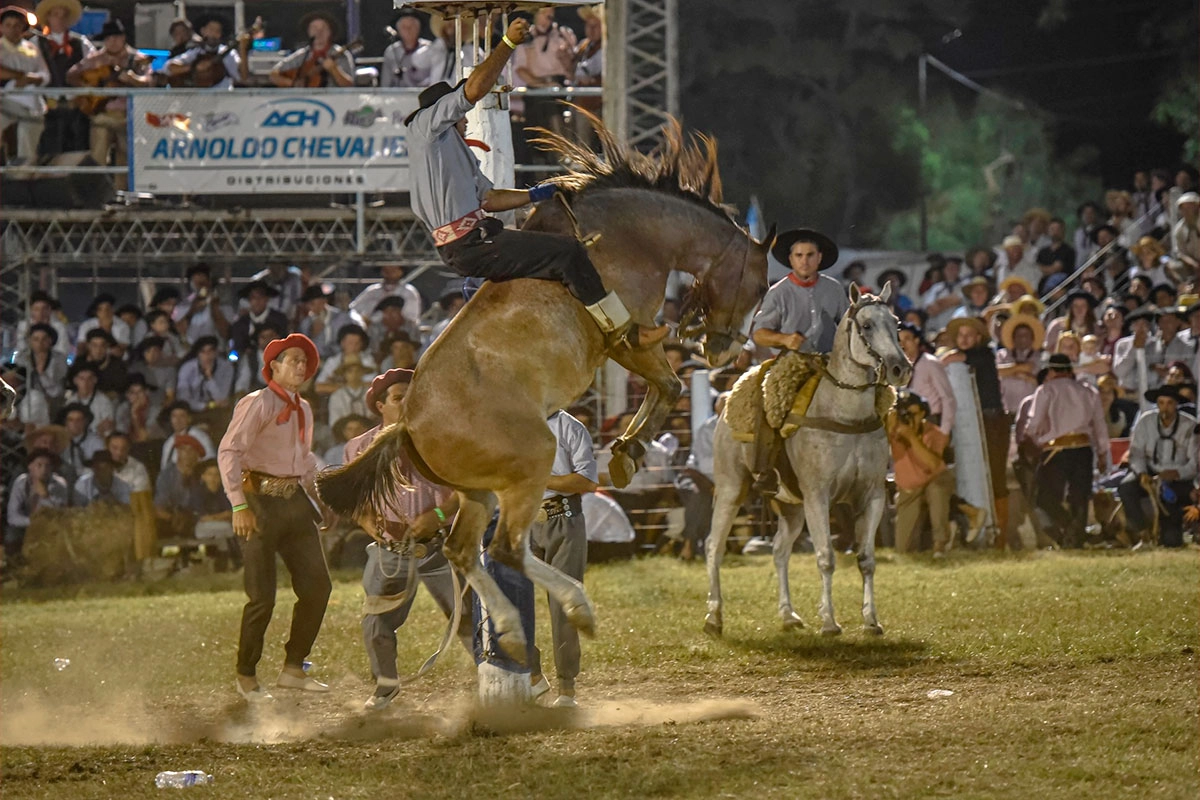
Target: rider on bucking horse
799, 313
452, 196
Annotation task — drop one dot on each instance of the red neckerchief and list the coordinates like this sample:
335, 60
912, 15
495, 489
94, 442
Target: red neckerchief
319, 55
806, 284
476, 143
56, 48
293, 404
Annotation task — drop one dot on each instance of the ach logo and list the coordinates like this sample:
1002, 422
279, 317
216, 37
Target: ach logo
291, 113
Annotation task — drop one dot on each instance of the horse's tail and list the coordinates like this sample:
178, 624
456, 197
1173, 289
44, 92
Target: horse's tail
371, 480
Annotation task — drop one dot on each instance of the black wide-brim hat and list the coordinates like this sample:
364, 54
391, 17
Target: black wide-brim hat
114, 27
334, 23
430, 95
1166, 390
208, 17
267, 289
1146, 312
1091, 299
1095, 235
900, 278
784, 241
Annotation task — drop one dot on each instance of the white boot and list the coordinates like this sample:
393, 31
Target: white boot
499, 687
610, 314
613, 319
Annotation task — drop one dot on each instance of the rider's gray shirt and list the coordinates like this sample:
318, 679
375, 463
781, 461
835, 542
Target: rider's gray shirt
444, 176
812, 311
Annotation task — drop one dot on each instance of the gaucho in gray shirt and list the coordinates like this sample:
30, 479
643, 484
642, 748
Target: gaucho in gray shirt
453, 197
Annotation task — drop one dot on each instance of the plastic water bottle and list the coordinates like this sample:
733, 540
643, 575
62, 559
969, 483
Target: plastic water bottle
182, 780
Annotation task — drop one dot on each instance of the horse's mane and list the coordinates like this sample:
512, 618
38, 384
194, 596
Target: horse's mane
684, 165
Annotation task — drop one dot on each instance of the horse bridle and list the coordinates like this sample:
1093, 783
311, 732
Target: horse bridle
877, 367
696, 319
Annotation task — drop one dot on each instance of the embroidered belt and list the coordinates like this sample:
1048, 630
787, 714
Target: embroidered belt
269, 485
1069, 442
560, 506
453, 231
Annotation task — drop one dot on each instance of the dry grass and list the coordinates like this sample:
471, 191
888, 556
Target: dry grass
1073, 676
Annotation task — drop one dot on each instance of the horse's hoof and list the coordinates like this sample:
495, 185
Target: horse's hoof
792, 621
713, 627
831, 629
582, 619
621, 469
874, 629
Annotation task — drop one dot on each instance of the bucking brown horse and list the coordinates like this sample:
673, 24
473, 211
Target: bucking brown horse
475, 413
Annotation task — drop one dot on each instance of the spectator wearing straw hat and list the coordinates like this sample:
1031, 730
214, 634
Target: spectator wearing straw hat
62, 48
1163, 446
976, 292
1151, 261
351, 396
1185, 236
1013, 287
1067, 425
970, 337
1014, 257
1018, 361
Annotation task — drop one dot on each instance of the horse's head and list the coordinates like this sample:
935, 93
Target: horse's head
874, 342
724, 294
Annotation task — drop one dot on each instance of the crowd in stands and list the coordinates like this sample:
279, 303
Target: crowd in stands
40, 49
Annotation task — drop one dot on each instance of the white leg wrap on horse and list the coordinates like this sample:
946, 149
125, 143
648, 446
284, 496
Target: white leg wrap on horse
498, 686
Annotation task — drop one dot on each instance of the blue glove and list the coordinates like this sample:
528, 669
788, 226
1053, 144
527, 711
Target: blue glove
543, 191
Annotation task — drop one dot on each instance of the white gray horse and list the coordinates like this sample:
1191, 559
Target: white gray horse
840, 454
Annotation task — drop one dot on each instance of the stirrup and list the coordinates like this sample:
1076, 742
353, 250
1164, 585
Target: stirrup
767, 483
635, 337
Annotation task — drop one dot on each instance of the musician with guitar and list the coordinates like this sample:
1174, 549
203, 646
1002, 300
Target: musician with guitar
321, 62
62, 48
213, 63
21, 65
116, 64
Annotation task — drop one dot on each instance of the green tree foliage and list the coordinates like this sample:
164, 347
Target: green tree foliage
983, 165
1177, 108
800, 95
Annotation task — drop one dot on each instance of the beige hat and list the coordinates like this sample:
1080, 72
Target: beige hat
1012, 241
975, 322
1016, 280
73, 7
1187, 197
1017, 320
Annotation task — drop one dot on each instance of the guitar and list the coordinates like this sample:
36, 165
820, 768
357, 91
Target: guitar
209, 68
107, 75
311, 74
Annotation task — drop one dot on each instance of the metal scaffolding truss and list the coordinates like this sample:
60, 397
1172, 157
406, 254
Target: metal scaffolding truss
642, 69
149, 237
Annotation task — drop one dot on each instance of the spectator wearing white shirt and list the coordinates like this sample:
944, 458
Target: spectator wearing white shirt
942, 299
364, 309
929, 378
1185, 234
410, 60
201, 314
24, 61
46, 366
36, 488
1163, 446
288, 281
1136, 355
82, 442
213, 33
177, 418
45, 310
352, 341
1013, 257
102, 314
85, 394
322, 320
100, 484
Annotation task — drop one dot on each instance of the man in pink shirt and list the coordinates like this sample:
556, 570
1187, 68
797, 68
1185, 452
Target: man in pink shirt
928, 379
924, 482
268, 467
414, 526
1067, 422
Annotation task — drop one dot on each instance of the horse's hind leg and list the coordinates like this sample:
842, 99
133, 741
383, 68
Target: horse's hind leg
791, 525
868, 524
816, 513
518, 509
462, 550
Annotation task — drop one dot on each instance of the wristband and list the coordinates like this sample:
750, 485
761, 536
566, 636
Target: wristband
508, 42
543, 191
441, 515
241, 507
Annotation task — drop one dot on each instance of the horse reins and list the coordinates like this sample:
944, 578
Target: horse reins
877, 367
734, 333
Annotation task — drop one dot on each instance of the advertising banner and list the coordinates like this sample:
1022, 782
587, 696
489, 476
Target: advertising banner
268, 141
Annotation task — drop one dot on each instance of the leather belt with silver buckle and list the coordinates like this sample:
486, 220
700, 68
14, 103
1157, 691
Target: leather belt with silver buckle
453, 231
555, 507
269, 485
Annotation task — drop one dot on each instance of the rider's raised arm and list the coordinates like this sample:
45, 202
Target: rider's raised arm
484, 77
